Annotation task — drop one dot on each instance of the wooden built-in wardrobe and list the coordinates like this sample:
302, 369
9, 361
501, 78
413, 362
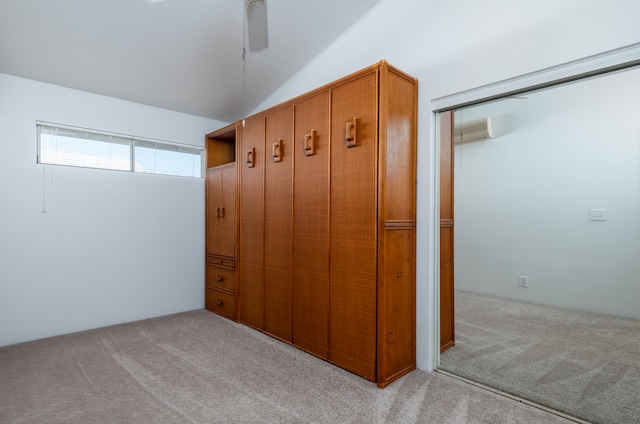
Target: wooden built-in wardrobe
326, 220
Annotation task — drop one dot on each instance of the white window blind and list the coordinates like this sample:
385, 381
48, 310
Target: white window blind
63, 145
161, 158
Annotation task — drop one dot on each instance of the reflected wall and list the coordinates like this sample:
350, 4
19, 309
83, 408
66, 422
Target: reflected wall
524, 198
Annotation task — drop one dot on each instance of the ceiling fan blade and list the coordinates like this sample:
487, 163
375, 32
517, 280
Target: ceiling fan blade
257, 25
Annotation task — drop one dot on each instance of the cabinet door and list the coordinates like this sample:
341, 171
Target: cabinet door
213, 195
354, 226
278, 225
251, 237
311, 227
228, 211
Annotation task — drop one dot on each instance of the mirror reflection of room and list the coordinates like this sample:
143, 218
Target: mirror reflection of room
547, 247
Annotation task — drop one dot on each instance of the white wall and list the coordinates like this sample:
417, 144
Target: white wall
522, 199
112, 246
458, 45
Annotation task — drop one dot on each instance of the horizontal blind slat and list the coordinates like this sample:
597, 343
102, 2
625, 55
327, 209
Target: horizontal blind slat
83, 148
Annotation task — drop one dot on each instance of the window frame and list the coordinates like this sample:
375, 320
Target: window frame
132, 142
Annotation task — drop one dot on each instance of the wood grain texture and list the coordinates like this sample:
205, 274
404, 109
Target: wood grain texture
396, 345
221, 210
220, 146
311, 228
353, 250
447, 327
278, 225
446, 165
227, 218
221, 222
396, 309
213, 195
398, 116
251, 237
326, 251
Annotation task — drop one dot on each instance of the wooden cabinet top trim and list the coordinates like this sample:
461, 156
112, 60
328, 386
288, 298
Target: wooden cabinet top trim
382, 65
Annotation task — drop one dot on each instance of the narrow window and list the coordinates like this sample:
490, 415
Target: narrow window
63, 145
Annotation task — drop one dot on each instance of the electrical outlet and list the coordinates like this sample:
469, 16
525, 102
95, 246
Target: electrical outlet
523, 281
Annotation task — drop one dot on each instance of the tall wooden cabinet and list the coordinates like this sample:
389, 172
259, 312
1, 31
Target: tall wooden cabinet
221, 222
326, 246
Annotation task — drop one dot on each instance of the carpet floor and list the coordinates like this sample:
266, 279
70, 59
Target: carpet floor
584, 364
197, 367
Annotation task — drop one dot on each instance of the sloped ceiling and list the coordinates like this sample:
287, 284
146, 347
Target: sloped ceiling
182, 55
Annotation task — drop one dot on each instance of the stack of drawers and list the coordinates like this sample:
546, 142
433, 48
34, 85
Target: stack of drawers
220, 291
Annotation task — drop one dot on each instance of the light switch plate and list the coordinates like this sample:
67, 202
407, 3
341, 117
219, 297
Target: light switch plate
597, 214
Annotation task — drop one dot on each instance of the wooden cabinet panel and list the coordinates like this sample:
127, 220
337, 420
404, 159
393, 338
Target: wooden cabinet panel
278, 225
221, 222
213, 197
398, 148
228, 211
311, 228
221, 210
326, 238
353, 250
251, 237
447, 328
446, 288
396, 306
396, 226
446, 166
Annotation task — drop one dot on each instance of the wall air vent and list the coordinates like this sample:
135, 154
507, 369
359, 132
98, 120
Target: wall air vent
473, 131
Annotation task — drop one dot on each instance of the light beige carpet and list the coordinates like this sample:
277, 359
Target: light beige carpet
580, 363
196, 367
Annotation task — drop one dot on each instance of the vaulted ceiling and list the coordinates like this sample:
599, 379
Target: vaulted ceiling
182, 55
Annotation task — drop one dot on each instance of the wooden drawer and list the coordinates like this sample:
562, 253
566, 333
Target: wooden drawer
221, 278
220, 303
228, 263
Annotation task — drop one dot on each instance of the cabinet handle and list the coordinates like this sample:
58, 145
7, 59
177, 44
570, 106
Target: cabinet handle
219, 278
222, 212
277, 151
309, 145
218, 213
251, 157
350, 133
219, 302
